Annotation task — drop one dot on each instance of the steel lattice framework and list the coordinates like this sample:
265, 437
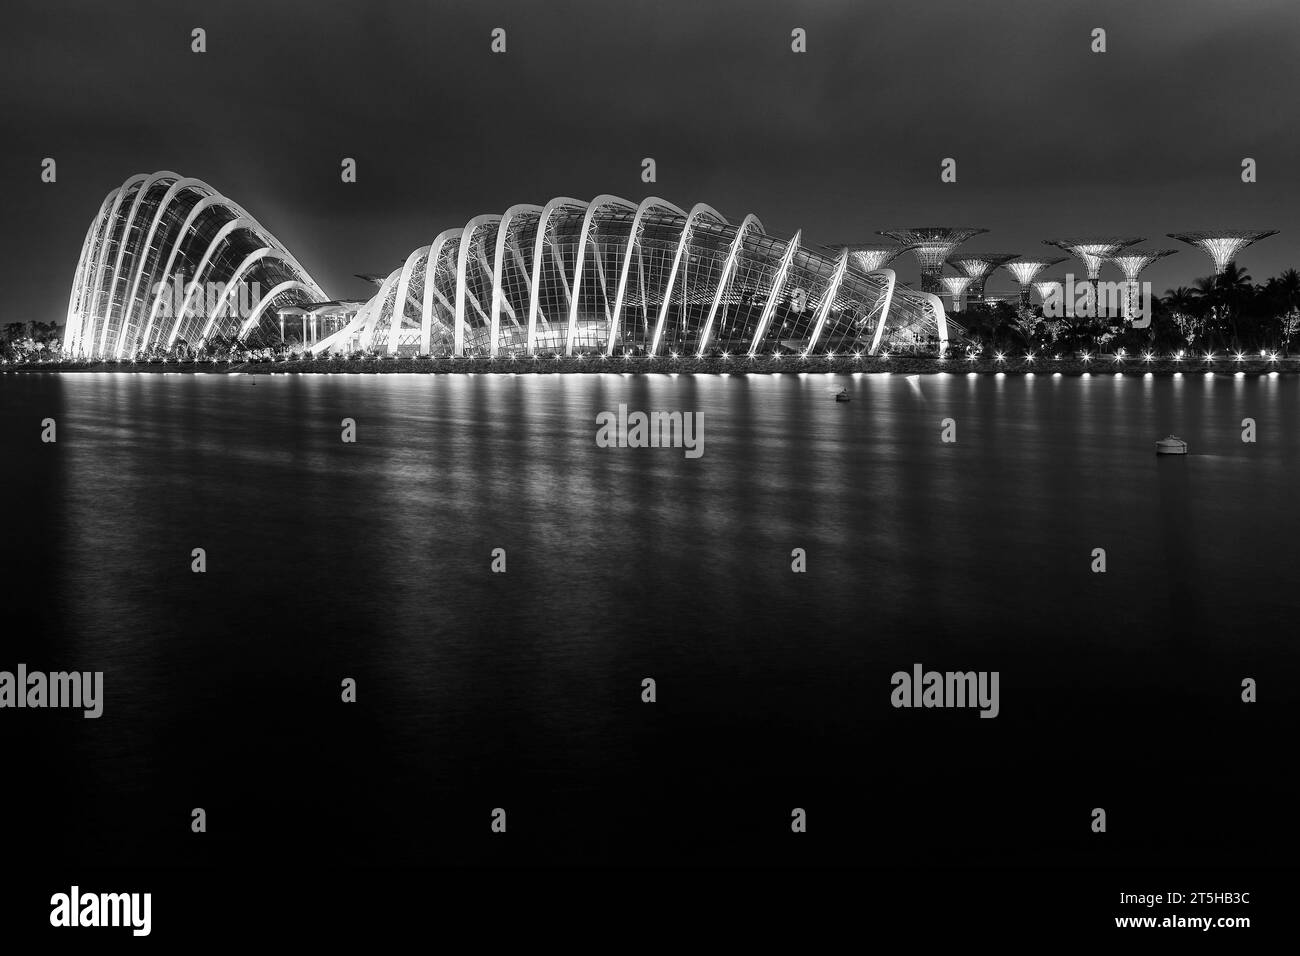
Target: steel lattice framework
1093, 250
612, 277
1223, 246
149, 236
932, 245
1026, 269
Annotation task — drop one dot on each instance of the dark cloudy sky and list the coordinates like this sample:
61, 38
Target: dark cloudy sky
1050, 138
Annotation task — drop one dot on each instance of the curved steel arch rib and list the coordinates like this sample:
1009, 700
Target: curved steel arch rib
403, 290
886, 303
140, 195
72, 325
539, 247
728, 267
106, 240
600, 202
376, 308
270, 296
632, 240
430, 288
828, 299
205, 263
778, 283
208, 202
697, 211
462, 261
508, 220
130, 308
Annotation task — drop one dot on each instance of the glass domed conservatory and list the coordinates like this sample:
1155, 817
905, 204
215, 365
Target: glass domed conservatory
169, 261
611, 277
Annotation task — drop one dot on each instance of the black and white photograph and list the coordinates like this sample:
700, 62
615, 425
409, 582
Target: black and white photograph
685, 473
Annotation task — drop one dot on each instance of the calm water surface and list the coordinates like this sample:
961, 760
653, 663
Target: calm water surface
522, 690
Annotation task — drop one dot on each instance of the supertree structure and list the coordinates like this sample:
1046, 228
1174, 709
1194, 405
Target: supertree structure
870, 256
1046, 288
1092, 251
1131, 262
1026, 269
979, 266
956, 285
932, 245
1224, 245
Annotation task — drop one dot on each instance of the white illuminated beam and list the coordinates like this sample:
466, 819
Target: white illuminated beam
633, 241
430, 288
92, 311
539, 249
266, 300
940, 319
728, 266
886, 301
521, 212
72, 326
828, 298
376, 313
141, 195
237, 277
209, 202
147, 250
698, 210
205, 263
778, 283
575, 296
462, 262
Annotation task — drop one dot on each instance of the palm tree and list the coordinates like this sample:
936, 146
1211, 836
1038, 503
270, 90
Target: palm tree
1288, 284
1233, 289
1181, 299
1286, 291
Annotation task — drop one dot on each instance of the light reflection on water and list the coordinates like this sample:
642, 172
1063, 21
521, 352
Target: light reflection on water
371, 560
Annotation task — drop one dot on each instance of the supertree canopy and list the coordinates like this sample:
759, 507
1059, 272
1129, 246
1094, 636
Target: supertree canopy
1222, 246
979, 266
932, 245
870, 256
956, 285
1131, 262
1026, 269
1093, 250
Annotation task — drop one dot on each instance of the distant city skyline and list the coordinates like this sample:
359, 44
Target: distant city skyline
838, 142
